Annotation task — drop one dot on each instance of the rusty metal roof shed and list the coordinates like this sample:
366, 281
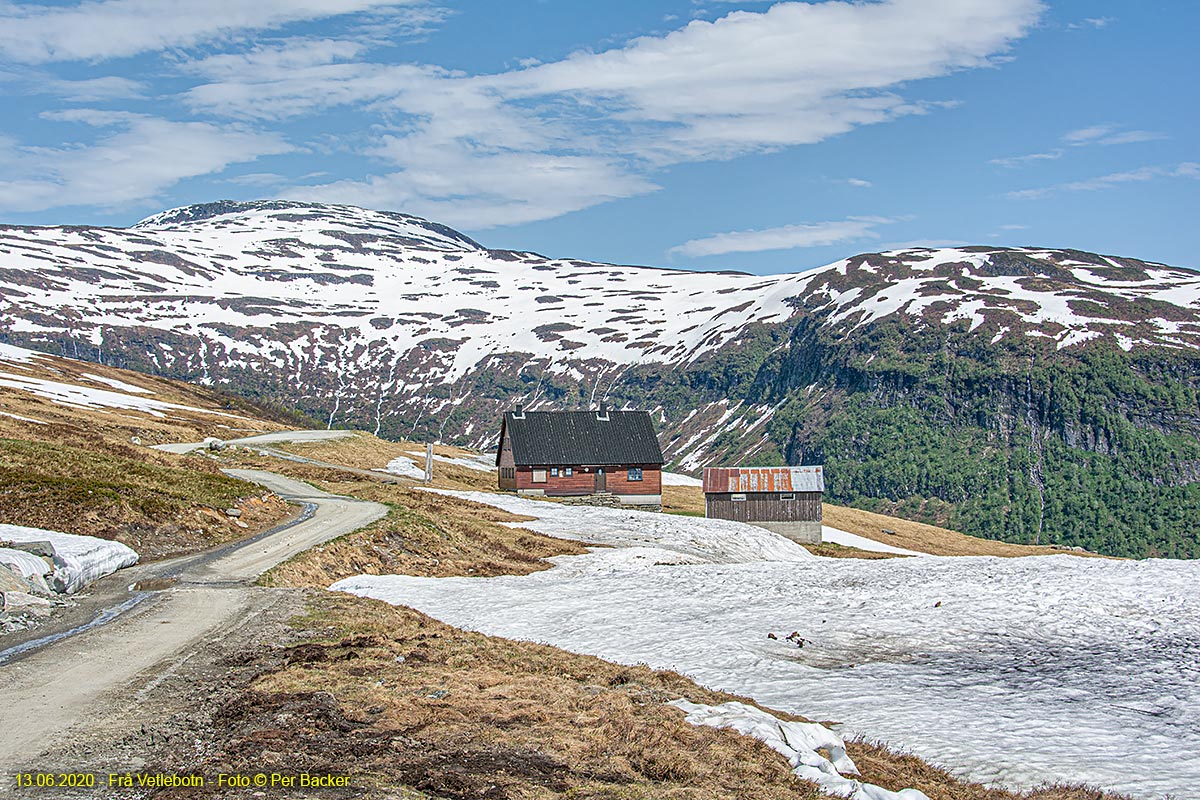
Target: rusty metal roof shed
721, 480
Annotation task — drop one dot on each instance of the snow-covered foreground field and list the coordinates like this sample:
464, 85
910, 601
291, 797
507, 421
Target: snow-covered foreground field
1012, 671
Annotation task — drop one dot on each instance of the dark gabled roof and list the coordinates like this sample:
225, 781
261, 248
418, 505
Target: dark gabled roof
582, 438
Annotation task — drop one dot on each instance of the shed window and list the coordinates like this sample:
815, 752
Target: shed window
737, 498
635, 473
787, 497
554, 472
539, 476
567, 471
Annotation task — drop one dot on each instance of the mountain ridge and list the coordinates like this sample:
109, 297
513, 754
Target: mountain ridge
389, 321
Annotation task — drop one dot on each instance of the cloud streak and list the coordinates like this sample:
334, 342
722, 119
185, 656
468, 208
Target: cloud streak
786, 237
104, 29
1186, 169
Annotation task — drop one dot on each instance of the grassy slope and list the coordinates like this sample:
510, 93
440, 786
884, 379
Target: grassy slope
80, 472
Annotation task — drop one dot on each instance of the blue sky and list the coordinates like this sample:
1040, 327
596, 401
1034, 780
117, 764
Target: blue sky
708, 134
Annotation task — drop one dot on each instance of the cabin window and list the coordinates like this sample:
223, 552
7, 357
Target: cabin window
539, 476
568, 472
787, 497
635, 473
737, 498
554, 472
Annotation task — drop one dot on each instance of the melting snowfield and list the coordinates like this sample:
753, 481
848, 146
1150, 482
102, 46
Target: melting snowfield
1009, 671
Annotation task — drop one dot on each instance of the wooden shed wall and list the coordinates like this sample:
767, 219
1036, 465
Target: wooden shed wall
764, 507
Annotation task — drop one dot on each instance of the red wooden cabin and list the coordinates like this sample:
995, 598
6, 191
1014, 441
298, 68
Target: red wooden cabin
579, 453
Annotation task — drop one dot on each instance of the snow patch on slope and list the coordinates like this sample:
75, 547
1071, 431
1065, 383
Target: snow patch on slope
716, 541
799, 743
1010, 671
78, 560
68, 394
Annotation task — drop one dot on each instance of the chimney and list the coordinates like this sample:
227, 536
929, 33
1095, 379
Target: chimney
520, 412
602, 414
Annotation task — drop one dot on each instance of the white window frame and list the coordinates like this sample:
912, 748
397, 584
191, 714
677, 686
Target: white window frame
554, 472
568, 472
738, 497
788, 496
539, 476
630, 473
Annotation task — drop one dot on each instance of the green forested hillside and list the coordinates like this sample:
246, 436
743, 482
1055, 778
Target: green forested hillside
1011, 441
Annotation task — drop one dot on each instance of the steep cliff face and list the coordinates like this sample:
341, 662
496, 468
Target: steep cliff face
1030, 394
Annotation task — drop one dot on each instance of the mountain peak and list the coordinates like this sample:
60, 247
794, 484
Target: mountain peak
288, 217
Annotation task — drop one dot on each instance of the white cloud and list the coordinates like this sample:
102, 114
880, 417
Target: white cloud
452, 185
1108, 135
1088, 134
137, 162
1020, 161
859, 182
1131, 137
786, 237
1186, 169
101, 29
797, 73
93, 90
1091, 22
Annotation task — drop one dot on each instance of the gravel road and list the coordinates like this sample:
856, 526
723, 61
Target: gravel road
52, 693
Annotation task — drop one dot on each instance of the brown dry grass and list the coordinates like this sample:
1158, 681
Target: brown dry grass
518, 720
685, 500
424, 534
364, 451
896, 771
400, 700
831, 550
923, 538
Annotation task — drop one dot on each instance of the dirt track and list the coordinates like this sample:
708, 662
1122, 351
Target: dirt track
68, 689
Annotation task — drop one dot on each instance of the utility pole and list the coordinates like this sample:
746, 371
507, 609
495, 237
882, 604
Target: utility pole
429, 462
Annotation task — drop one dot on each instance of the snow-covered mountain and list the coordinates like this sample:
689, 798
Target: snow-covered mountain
406, 326
264, 283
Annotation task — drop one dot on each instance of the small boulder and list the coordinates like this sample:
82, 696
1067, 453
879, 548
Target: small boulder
24, 603
233, 512
213, 443
40, 548
11, 582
